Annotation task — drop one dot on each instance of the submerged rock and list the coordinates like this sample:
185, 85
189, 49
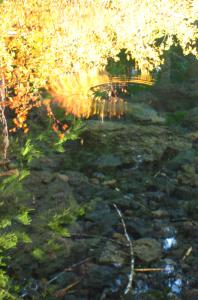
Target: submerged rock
108, 161
76, 178
111, 254
147, 249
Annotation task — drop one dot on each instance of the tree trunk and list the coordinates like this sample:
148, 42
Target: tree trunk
4, 137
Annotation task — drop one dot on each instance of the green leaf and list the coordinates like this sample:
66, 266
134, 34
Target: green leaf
23, 237
24, 218
5, 223
8, 240
38, 253
3, 279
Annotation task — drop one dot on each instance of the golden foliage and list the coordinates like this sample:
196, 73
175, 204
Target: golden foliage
64, 45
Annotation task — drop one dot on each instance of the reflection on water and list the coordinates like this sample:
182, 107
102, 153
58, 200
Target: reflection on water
172, 276
169, 267
175, 285
109, 98
112, 107
169, 243
169, 240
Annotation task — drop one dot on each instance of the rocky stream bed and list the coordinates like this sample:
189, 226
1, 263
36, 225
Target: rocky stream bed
149, 171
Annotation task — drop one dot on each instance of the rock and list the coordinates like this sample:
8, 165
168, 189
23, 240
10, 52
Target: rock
183, 157
147, 249
100, 276
125, 202
111, 254
160, 213
190, 229
188, 176
105, 127
62, 177
137, 227
186, 192
76, 178
108, 162
99, 175
102, 217
44, 176
44, 163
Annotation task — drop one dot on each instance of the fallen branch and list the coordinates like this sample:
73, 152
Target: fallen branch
129, 285
144, 270
61, 293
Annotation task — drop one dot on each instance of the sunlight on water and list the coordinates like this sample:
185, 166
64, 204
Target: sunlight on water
169, 243
175, 285
169, 268
169, 240
77, 93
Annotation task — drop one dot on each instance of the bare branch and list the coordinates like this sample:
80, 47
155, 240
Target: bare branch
129, 285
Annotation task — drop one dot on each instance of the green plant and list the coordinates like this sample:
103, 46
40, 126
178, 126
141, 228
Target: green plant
11, 233
29, 151
59, 221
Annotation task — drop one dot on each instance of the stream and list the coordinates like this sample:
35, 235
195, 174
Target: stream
144, 165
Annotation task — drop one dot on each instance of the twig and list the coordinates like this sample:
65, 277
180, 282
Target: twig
188, 252
149, 270
68, 270
129, 285
61, 293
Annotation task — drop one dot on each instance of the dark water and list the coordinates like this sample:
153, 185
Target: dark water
146, 163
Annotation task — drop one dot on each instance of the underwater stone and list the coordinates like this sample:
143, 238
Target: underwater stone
147, 249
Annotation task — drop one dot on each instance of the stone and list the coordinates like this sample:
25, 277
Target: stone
147, 249
43, 163
111, 254
160, 213
76, 178
62, 177
108, 161
100, 276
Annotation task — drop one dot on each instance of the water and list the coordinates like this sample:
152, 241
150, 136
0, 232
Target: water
150, 185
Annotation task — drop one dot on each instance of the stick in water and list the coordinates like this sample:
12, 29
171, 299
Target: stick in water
129, 285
